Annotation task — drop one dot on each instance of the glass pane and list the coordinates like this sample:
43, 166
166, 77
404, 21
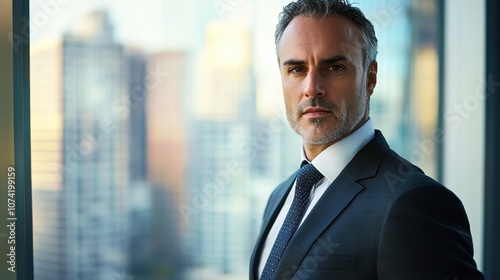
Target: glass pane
405, 102
158, 129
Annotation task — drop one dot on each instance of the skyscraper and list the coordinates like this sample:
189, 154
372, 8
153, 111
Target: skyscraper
166, 121
158, 163
80, 153
216, 210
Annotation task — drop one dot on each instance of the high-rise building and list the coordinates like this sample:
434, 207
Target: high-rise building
80, 153
166, 122
157, 163
136, 63
49, 261
217, 209
424, 83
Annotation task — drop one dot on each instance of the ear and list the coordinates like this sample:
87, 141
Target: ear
371, 79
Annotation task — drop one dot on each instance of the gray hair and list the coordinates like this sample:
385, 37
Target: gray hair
325, 8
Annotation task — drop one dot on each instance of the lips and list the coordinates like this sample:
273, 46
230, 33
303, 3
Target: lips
315, 112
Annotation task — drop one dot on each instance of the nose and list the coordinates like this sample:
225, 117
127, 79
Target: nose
313, 85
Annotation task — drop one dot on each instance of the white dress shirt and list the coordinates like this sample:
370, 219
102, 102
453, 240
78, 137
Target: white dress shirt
330, 163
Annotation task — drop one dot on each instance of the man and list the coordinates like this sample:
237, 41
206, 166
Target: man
372, 215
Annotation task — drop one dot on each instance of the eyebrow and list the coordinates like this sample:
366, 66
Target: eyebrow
330, 60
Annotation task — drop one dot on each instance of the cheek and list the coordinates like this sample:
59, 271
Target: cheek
290, 105
346, 91
339, 92
289, 87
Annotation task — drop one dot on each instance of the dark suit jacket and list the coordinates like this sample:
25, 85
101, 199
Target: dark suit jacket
382, 218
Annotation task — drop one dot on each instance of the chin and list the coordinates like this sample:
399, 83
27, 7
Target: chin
318, 137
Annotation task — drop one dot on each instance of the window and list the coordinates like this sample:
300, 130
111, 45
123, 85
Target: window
158, 132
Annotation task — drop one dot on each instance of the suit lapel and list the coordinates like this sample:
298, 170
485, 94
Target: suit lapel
272, 210
333, 202
335, 199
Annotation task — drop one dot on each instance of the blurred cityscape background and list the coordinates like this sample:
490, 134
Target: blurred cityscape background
158, 129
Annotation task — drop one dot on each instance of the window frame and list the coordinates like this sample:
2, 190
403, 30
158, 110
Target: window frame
16, 132
492, 151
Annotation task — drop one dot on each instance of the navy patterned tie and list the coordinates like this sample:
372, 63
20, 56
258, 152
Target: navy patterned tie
307, 177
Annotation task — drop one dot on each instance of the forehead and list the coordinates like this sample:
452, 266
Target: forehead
329, 36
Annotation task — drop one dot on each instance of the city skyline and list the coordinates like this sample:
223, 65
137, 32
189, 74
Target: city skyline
198, 132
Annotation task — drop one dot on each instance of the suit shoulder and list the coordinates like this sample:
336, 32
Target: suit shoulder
411, 186
400, 175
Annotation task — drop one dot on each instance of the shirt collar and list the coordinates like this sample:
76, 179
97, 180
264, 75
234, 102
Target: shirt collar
334, 159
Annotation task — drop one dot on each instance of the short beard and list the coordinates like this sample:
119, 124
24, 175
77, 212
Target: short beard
345, 120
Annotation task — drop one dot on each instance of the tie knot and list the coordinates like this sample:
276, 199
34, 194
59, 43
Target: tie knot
308, 176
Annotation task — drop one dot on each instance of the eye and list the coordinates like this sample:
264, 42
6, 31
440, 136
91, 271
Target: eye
335, 68
296, 69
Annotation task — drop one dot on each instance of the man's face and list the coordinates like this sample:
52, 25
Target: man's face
325, 86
